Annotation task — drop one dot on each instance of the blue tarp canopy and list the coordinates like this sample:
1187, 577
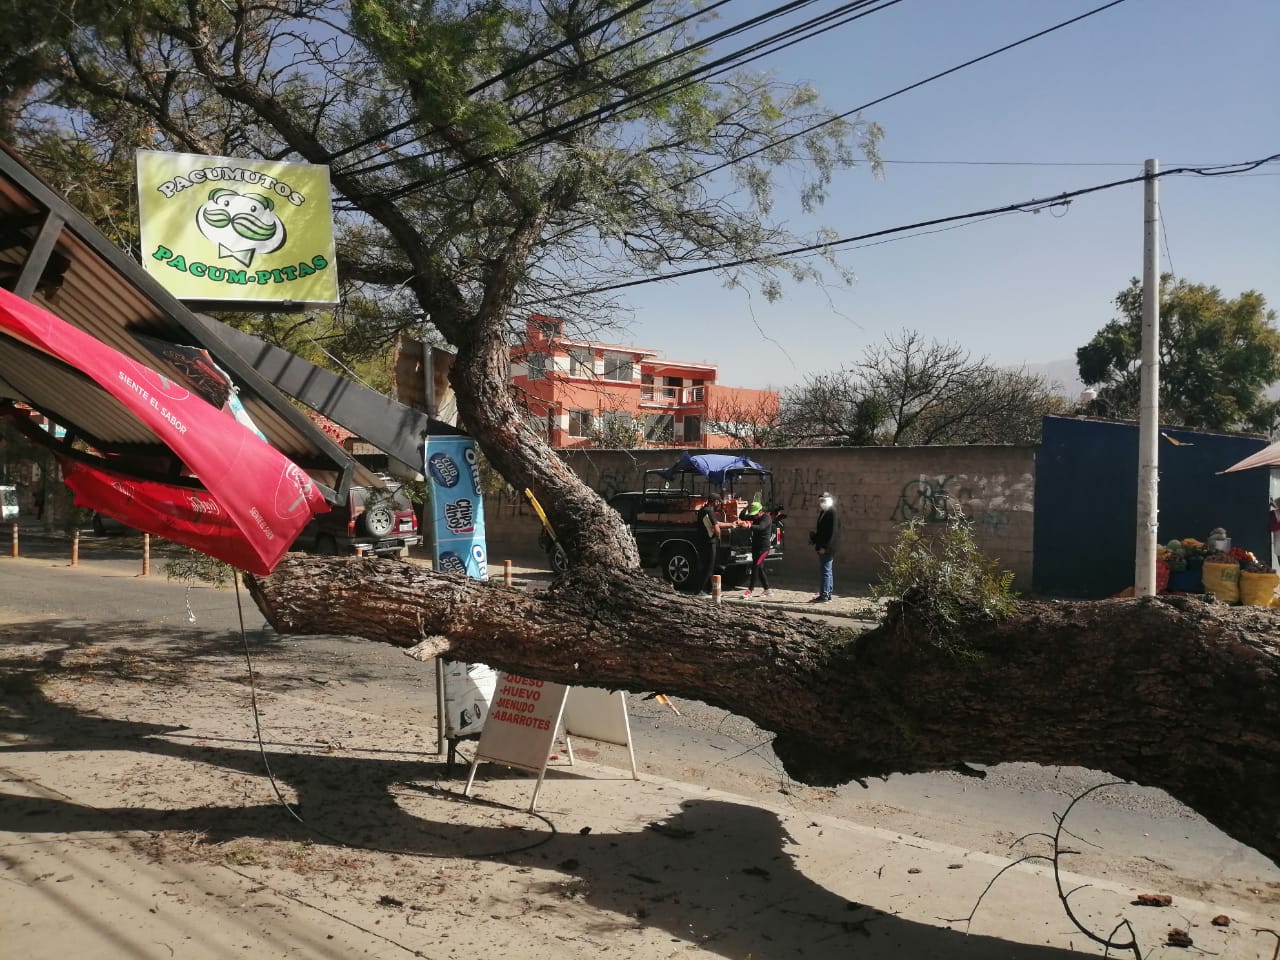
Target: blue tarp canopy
713, 466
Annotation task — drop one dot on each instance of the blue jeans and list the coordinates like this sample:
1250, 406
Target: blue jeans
825, 560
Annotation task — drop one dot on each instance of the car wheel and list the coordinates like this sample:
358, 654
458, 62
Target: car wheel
327, 546
559, 560
378, 520
99, 529
681, 566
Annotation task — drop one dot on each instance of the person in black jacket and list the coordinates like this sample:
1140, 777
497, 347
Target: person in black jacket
826, 538
710, 524
761, 537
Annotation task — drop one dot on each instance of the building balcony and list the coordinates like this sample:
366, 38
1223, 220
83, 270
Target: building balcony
671, 396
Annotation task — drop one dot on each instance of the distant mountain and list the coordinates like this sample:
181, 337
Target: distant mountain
1064, 373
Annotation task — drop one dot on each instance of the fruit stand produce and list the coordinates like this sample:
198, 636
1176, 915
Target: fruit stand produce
1231, 574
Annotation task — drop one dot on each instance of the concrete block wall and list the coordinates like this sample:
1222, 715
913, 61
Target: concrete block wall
876, 489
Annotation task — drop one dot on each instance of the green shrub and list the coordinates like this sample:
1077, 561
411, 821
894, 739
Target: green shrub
938, 577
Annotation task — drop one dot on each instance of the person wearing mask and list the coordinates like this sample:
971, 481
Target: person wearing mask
761, 536
825, 539
710, 524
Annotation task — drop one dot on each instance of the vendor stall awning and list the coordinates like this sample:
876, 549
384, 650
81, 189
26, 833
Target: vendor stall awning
261, 500
1266, 457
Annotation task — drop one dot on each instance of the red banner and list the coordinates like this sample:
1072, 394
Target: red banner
262, 498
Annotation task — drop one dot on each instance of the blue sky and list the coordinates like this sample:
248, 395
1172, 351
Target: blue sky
1183, 81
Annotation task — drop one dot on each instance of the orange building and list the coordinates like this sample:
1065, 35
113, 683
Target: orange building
584, 393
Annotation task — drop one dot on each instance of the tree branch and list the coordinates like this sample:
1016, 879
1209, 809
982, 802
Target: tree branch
1170, 693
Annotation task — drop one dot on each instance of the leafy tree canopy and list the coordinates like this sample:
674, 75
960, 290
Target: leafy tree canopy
488, 160
1217, 358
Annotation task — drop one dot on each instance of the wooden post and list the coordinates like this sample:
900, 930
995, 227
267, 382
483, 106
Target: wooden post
75, 547
506, 573
715, 588
15, 539
146, 554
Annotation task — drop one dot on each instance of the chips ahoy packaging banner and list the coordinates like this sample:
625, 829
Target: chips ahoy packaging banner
457, 509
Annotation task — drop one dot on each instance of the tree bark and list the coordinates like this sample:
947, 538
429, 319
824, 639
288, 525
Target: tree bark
1167, 692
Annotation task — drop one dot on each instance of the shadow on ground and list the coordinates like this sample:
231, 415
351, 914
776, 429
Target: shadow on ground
717, 873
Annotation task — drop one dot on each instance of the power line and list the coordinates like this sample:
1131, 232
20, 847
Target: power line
639, 98
647, 95
648, 35
1165, 233
739, 27
407, 189
902, 90
1048, 163
524, 62
1029, 206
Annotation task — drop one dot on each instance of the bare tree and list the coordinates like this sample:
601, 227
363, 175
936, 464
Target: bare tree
912, 391
752, 424
833, 410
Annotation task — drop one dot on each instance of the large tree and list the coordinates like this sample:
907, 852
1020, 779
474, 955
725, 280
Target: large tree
909, 390
1217, 358
491, 160
488, 159
1170, 692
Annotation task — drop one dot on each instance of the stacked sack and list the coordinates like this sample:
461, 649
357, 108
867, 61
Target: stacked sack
1234, 575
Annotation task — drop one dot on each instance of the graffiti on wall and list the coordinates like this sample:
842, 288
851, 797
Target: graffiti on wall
799, 486
928, 500
990, 501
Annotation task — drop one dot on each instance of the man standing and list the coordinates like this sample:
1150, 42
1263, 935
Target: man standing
826, 538
710, 524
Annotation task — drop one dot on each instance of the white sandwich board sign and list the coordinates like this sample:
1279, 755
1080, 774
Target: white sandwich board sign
525, 716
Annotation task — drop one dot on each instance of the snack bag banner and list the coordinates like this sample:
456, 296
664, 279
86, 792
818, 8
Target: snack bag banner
457, 509
221, 229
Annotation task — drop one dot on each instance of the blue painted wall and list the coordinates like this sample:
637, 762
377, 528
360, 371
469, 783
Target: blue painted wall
1086, 500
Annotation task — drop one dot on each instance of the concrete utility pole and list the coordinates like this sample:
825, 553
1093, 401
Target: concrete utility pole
1144, 582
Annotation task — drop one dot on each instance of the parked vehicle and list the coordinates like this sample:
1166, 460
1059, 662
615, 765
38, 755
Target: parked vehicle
8, 502
373, 520
104, 526
662, 517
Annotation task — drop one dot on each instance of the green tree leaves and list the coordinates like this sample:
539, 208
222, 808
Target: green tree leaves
1217, 358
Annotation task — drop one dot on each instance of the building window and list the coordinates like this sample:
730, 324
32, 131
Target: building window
581, 363
659, 427
581, 423
547, 327
692, 429
618, 367
537, 365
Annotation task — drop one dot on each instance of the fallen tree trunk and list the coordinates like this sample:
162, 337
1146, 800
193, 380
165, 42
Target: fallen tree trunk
1168, 692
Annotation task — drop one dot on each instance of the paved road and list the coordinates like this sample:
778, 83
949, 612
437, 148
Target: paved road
1130, 833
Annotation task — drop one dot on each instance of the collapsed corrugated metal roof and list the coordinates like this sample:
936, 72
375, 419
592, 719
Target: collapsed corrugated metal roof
54, 257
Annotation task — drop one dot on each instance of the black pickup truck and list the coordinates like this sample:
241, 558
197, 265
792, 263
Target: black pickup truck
662, 517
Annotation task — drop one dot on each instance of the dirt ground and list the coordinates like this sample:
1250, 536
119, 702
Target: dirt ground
138, 819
